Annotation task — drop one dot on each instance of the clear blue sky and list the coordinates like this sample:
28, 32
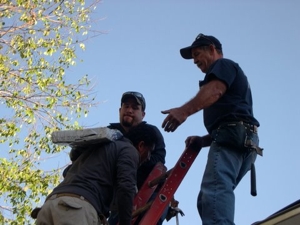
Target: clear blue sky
140, 52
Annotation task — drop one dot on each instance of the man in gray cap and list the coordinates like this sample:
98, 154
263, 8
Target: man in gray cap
226, 100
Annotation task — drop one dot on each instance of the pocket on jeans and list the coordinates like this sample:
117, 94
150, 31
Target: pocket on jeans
230, 135
69, 203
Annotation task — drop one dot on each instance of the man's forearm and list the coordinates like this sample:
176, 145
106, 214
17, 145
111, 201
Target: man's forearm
208, 95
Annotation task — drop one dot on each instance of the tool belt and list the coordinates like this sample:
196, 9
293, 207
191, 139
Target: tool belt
252, 128
238, 135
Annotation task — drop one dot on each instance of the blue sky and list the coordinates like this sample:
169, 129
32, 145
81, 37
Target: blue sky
140, 52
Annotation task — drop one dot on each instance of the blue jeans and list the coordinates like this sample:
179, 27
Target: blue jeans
225, 168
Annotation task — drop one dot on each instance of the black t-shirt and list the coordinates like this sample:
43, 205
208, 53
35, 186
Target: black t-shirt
236, 103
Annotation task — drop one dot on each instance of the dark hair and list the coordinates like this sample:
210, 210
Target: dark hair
142, 132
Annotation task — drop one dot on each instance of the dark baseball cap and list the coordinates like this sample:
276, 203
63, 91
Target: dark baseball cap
200, 40
137, 96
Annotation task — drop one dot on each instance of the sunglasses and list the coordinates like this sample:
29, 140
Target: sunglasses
137, 95
134, 93
204, 37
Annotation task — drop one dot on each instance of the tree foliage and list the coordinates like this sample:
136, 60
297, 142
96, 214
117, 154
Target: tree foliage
38, 42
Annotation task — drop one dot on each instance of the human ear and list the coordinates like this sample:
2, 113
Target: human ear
211, 48
140, 146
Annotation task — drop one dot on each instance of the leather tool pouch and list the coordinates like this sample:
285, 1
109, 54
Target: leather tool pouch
238, 136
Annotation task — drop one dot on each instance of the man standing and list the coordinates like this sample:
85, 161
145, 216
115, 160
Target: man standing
226, 100
100, 173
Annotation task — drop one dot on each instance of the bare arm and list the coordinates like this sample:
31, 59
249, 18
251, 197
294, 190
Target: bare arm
207, 95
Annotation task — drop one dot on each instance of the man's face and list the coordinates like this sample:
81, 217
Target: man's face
131, 114
203, 58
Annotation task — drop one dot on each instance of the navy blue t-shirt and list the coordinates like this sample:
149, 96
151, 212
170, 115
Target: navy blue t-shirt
236, 103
